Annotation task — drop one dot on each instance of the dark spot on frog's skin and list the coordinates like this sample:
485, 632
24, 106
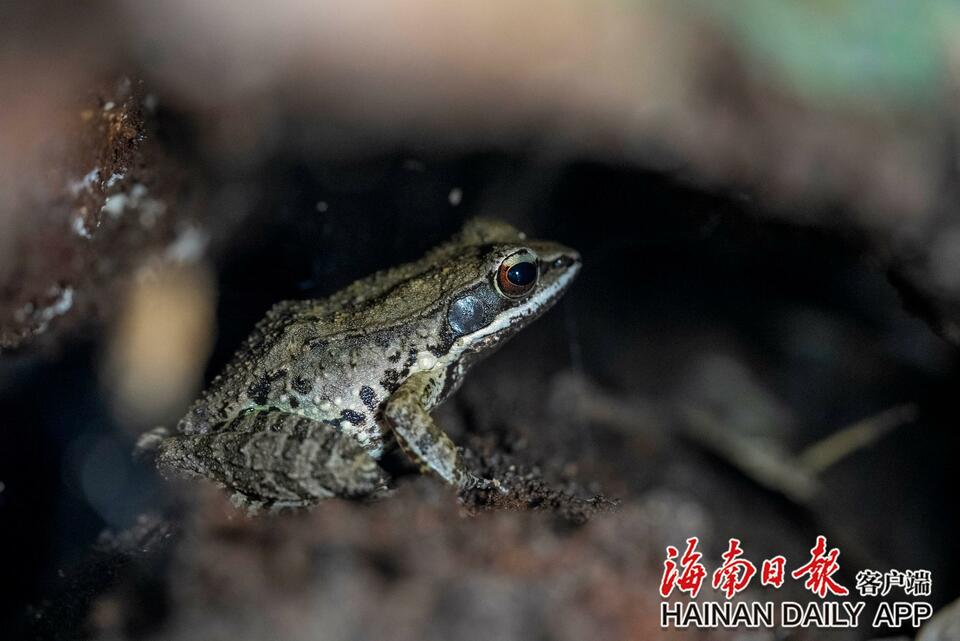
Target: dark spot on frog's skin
394, 358
391, 380
381, 341
259, 390
294, 403
315, 344
411, 359
368, 396
354, 418
302, 385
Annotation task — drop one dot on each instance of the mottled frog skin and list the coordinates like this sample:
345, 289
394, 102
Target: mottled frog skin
322, 387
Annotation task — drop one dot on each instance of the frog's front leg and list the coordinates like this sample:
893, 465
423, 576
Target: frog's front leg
273, 458
420, 437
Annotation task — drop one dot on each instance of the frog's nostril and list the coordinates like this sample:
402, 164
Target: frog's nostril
564, 261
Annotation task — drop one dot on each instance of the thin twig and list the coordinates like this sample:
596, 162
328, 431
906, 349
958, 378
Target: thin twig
830, 450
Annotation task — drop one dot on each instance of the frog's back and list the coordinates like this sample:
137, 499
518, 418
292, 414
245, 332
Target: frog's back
303, 354
364, 338
254, 359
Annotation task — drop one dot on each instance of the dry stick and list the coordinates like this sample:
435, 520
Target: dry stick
830, 450
764, 464
795, 477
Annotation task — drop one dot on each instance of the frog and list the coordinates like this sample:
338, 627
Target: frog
323, 388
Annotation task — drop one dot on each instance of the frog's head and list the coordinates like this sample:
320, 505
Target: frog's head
511, 281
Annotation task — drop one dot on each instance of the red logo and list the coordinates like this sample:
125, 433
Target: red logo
819, 569
772, 571
692, 572
735, 573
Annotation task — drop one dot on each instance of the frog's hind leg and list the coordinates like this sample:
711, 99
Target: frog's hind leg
273, 458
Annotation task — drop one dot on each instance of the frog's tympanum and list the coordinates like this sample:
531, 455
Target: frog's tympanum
322, 387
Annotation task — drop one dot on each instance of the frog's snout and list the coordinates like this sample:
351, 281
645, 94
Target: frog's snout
569, 260
561, 262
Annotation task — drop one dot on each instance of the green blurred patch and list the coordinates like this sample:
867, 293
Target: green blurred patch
846, 50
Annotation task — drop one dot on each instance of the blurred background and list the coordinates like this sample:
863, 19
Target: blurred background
762, 343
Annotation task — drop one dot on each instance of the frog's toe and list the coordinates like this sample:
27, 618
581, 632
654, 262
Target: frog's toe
477, 483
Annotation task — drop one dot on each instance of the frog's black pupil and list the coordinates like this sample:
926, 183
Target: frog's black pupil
522, 274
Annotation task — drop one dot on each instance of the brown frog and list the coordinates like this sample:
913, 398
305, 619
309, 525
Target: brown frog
321, 387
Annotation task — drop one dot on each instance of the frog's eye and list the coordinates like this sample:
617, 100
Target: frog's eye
518, 273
